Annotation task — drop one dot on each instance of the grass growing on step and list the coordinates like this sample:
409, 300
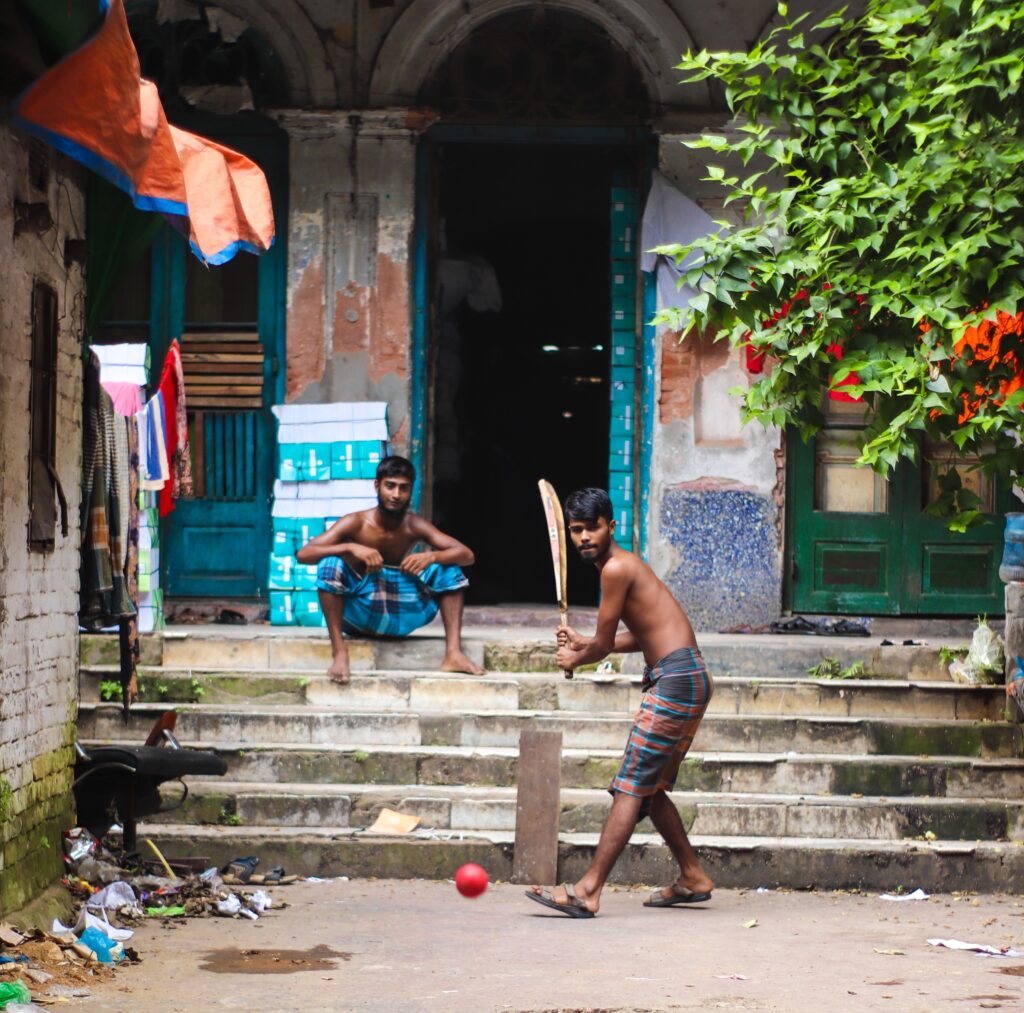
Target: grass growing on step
228, 818
831, 668
947, 655
110, 689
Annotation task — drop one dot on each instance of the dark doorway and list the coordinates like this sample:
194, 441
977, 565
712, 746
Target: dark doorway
520, 352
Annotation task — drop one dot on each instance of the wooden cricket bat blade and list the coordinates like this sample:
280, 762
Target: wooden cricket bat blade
556, 540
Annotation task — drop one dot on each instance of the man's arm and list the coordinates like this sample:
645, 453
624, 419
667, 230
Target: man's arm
444, 549
338, 540
615, 583
625, 642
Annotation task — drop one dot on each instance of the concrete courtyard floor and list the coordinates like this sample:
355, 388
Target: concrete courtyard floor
387, 946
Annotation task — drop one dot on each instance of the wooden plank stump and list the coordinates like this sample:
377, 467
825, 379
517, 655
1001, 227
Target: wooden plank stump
538, 807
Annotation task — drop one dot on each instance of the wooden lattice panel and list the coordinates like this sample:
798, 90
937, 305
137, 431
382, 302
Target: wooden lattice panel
223, 371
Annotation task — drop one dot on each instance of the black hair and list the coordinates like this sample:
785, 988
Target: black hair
394, 466
588, 505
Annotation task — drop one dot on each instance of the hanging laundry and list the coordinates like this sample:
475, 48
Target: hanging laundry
151, 421
671, 217
172, 388
124, 372
128, 632
103, 591
139, 421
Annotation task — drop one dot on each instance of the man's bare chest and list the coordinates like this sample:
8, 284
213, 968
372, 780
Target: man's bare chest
392, 545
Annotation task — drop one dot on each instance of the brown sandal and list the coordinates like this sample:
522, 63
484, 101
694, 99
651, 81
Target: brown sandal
574, 907
680, 895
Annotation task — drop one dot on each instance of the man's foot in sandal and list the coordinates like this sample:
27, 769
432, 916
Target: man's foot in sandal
562, 899
677, 894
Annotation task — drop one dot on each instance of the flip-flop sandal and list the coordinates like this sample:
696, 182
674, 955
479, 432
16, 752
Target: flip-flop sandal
241, 868
575, 908
275, 875
794, 624
680, 895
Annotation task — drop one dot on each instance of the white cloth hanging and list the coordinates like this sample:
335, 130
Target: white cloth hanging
124, 363
671, 217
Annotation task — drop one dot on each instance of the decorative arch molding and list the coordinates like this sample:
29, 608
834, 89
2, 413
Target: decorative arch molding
427, 31
286, 27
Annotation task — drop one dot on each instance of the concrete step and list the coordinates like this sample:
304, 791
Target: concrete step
780, 773
401, 691
273, 649
584, 811
733, 862
213, 723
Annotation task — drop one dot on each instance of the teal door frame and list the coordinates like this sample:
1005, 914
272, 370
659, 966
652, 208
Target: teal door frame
638, 138
267, 145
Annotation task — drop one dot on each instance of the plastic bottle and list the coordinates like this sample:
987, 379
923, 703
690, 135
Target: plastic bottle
14, 993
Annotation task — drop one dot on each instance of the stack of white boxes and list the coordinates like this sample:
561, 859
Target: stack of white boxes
151, 595
326, 463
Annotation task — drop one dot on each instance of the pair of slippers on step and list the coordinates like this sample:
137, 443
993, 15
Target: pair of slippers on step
243, 870
574, 907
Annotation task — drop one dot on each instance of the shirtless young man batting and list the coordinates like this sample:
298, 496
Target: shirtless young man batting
369, 582
677, 688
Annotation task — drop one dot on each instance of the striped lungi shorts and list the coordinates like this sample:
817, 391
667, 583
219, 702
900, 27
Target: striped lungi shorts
390, 602
677, 691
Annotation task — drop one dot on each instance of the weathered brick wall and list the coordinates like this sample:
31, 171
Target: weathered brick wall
38, 591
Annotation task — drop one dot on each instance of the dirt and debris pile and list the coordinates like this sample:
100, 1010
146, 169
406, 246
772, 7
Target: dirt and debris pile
113, 895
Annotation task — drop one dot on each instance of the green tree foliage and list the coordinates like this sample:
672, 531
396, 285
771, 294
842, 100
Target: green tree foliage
884, 193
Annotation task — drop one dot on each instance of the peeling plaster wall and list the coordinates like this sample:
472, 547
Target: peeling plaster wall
38, 590
715, 514
349, 318
350, 226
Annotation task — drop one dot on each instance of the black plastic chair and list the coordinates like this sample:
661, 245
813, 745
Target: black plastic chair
122, 783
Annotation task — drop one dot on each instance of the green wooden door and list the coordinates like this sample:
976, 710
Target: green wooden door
858, 543
229, 321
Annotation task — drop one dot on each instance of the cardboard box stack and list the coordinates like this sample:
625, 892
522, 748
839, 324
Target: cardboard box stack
327, 457
151, 595
624, 231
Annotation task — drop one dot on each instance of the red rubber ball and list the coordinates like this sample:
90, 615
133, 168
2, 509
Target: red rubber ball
471, 879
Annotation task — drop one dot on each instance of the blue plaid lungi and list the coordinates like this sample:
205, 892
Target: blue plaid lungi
389, 603
677, 691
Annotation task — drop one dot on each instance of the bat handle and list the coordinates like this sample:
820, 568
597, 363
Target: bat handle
564, 617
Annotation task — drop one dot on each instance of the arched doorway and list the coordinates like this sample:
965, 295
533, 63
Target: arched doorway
530, 191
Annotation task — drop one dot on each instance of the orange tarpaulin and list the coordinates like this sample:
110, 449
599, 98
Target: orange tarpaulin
95, 106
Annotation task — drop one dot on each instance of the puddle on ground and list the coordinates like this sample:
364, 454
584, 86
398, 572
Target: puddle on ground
319, 958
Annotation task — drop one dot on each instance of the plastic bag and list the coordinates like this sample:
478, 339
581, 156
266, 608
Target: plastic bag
230, 906
14, 993
78, 844
113, 897
986, 651
984, 661
107, 951
260, 901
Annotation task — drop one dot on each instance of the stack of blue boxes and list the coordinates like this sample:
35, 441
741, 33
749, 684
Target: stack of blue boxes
326, 463
625, 227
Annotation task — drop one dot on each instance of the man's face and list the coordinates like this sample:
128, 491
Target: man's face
393, 494
593, 539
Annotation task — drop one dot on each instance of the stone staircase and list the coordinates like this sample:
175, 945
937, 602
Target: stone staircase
898, 778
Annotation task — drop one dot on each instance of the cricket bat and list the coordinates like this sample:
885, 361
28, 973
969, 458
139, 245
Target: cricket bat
556, 537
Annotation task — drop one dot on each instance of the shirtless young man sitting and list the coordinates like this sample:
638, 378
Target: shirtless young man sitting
677, 688
370, 583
